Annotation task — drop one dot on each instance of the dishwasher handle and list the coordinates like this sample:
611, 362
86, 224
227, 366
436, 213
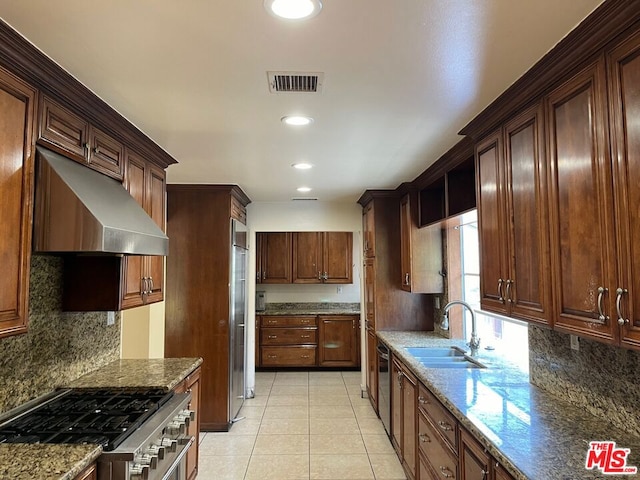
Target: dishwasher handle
382, 353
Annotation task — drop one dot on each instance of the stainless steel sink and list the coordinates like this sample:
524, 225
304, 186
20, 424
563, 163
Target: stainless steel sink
443, 357
437, 352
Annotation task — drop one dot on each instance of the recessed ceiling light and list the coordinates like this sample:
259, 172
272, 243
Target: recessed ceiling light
296, 120
302, 165
293, 9
304, 189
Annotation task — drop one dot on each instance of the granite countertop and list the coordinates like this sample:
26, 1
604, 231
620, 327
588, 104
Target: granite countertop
156, 373
45, 461
323, 308
533, 434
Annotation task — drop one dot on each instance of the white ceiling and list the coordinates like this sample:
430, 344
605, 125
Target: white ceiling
402, 77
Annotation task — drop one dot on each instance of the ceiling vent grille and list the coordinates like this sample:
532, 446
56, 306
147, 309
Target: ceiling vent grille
295, 82
302, 199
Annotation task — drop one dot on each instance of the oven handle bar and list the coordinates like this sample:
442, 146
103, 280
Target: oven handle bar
178, 459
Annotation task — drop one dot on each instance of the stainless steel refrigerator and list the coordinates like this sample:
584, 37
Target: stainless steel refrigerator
238, 313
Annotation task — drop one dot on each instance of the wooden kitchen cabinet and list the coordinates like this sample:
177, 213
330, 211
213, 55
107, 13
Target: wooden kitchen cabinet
581, 213
338, 341
72, 136
372, 368
368, 229
144, 275
288, 341
624, 100
17, 113
475, 462
420, 251
89, 473
322, 257
273, 257
192, 384
404, 394
512, 219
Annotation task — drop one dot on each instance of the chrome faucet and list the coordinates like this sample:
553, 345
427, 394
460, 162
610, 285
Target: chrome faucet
474, 343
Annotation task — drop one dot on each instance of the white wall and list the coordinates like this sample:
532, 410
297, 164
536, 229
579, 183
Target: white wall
143, 332
310, 216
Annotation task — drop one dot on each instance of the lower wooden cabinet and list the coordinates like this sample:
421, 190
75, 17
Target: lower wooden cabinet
307, 341
474, 459
89, 473
372, 368
192, 384
404, 394
440, 459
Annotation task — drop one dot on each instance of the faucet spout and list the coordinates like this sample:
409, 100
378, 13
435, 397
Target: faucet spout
474, 342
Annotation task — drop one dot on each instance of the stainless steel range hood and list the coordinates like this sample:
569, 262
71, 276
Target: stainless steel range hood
79, 210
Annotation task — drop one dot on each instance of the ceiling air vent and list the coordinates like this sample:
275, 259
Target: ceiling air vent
300, 199
295, 82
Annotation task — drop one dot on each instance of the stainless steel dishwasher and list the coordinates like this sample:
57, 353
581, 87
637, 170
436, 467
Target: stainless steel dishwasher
384, 386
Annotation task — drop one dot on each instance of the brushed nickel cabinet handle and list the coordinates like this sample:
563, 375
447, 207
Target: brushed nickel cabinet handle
445, 426
272, 337
406, 279
422, 400
619, 293
264, 275
509, 283
304, 356
500, 297
446, 473
305, 336
602, 317
150, 284
424, 438
272, 356
96, 150
319, 275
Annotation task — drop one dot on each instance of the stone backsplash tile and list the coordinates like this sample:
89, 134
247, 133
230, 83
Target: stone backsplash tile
59, 346
602, 379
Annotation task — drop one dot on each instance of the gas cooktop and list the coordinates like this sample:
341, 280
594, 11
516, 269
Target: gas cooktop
102, 417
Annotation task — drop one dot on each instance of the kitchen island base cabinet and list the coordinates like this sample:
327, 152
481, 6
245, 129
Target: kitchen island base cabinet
338, 343
192, 384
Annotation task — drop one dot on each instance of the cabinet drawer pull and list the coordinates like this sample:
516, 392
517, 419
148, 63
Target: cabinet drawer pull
446, 473
445, 426
271, 337
304, 356
406, 279
619, 293
150, 284
304, 320
424, 438
305, 336
500, 297
602, 317
422, 400
509, 284
272, 322
272, 356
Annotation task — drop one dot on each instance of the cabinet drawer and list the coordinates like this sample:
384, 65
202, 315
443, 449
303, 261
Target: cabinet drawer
285, 321
439, 458
302, 356
288, 336
440, 417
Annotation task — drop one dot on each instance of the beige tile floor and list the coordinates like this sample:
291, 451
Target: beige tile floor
302, 425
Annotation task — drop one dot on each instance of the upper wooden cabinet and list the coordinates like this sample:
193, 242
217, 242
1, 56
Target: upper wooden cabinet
512, 219
368, 228
323, 257
144, 275
624, 101
273, 257
17, 113
71, 135
420, 251
582, 241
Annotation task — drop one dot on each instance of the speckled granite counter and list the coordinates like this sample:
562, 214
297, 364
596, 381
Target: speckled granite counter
45, 461
311, 309
532, 434
160, 373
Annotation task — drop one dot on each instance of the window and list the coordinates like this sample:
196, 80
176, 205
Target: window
506, 335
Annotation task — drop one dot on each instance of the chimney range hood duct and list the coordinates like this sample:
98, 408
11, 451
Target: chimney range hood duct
79, 210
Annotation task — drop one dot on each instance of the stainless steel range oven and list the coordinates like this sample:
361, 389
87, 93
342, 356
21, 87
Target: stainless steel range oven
142, 433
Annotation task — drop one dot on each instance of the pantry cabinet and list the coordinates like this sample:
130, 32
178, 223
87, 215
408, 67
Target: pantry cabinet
73, 136
17, 112
322, 257
273, 257
583, 230
512, 219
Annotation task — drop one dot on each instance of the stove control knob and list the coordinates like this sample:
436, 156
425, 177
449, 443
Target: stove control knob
147, 459
155, 451
183, 418
139, 472
183, 439
189, 413
169, 444
175, 427
161, 449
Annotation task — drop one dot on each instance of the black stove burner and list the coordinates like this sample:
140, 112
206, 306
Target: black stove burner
102, 417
